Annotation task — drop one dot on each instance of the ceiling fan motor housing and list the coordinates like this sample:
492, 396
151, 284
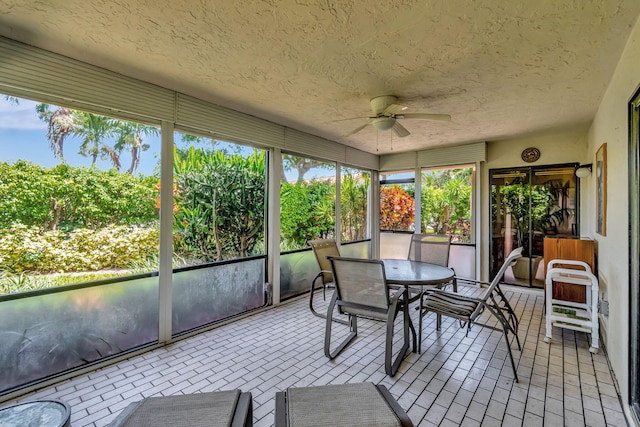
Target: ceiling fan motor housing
379, 103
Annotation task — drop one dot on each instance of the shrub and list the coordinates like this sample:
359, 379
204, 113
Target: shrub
219, 204
24, 248
307, 211
397, 208
68, 197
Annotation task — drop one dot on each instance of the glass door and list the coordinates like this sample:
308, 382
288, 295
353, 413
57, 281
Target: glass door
528, 204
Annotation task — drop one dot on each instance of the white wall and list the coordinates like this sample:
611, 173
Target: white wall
611, 126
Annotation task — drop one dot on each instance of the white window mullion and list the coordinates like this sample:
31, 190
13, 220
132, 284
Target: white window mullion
166, 233
273, 226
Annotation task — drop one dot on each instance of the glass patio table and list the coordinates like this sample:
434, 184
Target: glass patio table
413, 274
40, 413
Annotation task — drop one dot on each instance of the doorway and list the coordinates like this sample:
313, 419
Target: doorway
528, 204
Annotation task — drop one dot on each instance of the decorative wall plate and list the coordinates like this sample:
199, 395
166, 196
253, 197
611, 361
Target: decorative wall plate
530, 154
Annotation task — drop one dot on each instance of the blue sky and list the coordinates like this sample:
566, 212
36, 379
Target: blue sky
23, 136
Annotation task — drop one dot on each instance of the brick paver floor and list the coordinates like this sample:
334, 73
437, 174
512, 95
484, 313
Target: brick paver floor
457, 380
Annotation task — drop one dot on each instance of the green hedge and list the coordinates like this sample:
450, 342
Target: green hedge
307, 211
68, 197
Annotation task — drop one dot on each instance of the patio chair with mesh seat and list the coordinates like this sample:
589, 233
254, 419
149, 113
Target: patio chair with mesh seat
431, 249
362, 291
434, 250
322, 248
468, 309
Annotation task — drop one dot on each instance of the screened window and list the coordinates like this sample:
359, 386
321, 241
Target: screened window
307, 201
397, 201
445, 203
219, 200
354, 198
77, 196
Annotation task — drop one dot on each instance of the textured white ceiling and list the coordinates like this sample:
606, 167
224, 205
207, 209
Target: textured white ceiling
499, 68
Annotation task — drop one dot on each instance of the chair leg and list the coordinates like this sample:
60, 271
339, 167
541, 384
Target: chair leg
412, 329
420, 314
353, 325
505, 330
312, 293
391, 367
513, 364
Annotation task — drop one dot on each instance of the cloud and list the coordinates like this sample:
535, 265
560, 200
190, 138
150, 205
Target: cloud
21, 116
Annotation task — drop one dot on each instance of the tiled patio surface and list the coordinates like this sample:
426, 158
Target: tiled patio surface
457, 380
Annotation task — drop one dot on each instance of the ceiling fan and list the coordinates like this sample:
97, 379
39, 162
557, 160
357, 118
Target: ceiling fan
386, 114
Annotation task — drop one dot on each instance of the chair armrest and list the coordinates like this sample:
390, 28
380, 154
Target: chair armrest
396, 295
480, 282
453, 295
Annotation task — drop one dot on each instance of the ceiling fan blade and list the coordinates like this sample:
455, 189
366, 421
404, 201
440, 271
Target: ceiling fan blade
351, 118
393, 109
356, 130
425, 116
400, 130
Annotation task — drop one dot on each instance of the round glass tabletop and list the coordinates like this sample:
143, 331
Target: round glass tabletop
45, 413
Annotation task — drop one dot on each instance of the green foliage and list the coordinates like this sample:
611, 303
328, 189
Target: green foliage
516, 199
68, 197
220, 204
24, 248
397, 208
307, 211
446, 202
353, 200
23, 282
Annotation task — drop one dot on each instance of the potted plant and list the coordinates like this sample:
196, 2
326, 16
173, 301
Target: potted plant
545, 215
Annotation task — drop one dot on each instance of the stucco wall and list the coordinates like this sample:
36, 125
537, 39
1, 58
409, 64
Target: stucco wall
611, 126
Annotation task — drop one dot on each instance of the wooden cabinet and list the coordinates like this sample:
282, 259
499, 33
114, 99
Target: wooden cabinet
574, 249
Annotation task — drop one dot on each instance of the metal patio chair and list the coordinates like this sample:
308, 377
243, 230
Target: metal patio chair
322, 249
431, 249
467, 309
362, 291
434, 250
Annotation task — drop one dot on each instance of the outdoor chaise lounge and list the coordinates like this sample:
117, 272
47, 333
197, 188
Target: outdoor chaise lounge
217, 409
354, 405
467, 309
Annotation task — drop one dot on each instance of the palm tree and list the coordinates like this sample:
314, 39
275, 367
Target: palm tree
93, 129
60, 122
130, 136
12, 99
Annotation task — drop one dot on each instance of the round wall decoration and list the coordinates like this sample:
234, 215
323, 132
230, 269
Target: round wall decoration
530, 154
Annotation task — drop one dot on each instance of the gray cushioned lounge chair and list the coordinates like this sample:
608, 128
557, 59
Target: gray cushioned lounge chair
217, 409
354, 405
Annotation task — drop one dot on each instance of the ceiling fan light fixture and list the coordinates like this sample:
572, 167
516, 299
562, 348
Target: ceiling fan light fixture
383, 123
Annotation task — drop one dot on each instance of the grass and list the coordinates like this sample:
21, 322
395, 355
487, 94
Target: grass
14, 283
